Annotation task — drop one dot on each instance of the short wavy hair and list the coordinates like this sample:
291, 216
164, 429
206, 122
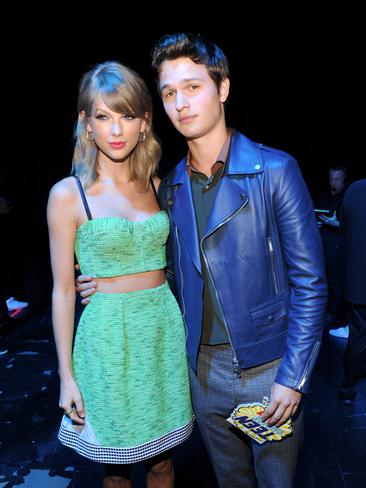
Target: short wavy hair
193, 46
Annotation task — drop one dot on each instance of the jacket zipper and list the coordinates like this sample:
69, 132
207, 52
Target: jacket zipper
308, 365
211, 278
181, 275
273, 264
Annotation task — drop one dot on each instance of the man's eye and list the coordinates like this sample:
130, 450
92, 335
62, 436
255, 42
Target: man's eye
169, 94
194, 87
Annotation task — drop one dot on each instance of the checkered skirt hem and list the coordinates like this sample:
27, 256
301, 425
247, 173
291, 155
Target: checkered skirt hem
120, 455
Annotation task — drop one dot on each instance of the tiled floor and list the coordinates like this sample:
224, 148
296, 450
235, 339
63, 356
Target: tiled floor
334, 453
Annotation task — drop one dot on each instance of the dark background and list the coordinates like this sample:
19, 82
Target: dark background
295, 85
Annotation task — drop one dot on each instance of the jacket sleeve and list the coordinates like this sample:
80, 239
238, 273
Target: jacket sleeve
303, 253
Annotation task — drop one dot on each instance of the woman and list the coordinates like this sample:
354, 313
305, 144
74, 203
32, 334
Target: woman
124, 388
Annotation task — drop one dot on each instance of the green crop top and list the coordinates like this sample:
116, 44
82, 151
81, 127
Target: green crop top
115, 246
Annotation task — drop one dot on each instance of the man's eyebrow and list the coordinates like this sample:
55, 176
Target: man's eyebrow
185, 80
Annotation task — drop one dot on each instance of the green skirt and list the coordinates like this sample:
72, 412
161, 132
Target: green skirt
130, 364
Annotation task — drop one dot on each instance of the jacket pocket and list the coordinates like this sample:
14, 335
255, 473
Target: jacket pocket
268, 314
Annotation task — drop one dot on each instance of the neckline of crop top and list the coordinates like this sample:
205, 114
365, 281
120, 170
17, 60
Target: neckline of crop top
121, 219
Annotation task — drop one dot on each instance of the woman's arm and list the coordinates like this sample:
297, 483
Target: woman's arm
62, 224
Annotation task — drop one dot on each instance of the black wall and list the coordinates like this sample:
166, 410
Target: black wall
295, 86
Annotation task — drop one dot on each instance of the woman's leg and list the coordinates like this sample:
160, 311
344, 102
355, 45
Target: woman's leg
117, 476
160, 472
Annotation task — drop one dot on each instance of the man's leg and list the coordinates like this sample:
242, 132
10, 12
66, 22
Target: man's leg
219, 386
275, 462
213, 397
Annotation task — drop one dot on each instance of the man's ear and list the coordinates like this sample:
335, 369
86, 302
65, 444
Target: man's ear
224, 90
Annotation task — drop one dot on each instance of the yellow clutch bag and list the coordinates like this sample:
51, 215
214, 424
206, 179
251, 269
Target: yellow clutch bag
247, 417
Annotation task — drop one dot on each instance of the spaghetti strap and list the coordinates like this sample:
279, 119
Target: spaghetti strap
83, 197
155, 192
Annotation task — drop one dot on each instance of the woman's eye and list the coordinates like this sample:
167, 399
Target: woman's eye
101, 117
128, 117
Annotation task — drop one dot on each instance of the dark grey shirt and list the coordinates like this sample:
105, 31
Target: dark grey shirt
203, 193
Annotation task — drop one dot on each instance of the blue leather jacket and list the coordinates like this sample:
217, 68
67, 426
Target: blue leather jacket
263, 252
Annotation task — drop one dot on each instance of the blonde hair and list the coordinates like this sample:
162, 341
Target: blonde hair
123, 91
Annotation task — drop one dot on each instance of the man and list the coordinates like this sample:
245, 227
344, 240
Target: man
353, 227
333, 246
246, 264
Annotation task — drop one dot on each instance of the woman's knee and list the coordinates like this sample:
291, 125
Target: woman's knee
162, 468
116, 482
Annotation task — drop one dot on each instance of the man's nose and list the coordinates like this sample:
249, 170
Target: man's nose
181, 102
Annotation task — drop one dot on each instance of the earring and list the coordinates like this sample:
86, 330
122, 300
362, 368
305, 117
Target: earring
89, 135
142, 136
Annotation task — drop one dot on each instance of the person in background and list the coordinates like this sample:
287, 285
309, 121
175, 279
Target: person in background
353, 228
333, 246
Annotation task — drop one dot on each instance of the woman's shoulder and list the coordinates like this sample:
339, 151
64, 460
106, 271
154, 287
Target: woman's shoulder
64, 190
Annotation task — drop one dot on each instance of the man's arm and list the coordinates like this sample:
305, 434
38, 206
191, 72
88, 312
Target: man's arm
85, 285
303, 254
302, 250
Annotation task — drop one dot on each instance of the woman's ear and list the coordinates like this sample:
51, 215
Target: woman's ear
224, 90
84, 119
145, 121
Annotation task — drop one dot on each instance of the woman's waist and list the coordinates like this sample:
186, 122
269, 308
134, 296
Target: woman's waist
131, 282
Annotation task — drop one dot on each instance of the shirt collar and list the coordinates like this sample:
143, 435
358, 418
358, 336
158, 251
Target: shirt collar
220, 160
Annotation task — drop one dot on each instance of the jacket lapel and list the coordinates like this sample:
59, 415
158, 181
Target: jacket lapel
244, 158
228, 200
183, 213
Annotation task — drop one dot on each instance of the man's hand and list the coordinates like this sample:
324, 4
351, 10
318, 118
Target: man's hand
330, 220
85, 286
283, 405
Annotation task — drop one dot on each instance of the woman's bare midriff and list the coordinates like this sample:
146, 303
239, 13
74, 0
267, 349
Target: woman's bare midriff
134, 282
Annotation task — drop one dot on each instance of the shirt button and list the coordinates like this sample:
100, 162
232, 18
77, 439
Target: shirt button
257, 166
206, 187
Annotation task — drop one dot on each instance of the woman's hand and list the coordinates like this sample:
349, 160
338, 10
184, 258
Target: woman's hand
71, 401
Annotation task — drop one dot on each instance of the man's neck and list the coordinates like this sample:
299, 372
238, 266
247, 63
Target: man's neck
204, 150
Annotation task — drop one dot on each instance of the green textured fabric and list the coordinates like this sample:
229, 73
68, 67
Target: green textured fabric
114, 246
130, 365
129, 356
